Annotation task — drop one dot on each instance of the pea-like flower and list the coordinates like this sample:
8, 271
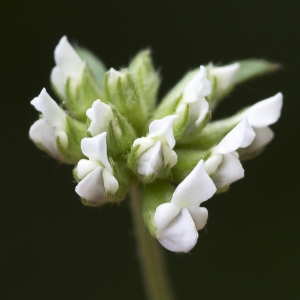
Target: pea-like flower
96, 181
51, 128
194, 101
69, 66
178, 221
260, 116
223, 163
154, 152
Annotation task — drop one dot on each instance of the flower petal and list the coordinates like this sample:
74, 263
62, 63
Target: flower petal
199, 215
224, 75
44, 135
195, 188
52, 113
197, 111
229, 171
85, 167
264, 136
91, 187
99, 114
162, 130
165, 214
181, 234
95, 149
240, 136
169, 155
151, 161
144, 144
111, 184
197, 88
67, 59
265, 112
58, 79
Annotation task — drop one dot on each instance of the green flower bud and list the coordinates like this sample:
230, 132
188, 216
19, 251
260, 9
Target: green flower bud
122, 91
146, 77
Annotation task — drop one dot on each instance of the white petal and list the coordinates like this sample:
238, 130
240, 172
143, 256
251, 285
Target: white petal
263, 137
91, 187
212, 163
181, 235
114, 75
197, 88
162, 130
151, 161
59, 79
199, 215
44, 134
111, 184
85, 167
68, 60
53, 114
265, 112
165, 214
224, 75
240, 136
230, 170
195, 188
144, 143
170, 156
95, 149
99, 114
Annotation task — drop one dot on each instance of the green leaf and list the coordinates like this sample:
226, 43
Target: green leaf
251, 68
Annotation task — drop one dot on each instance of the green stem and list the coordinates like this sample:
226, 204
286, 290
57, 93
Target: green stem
153, 267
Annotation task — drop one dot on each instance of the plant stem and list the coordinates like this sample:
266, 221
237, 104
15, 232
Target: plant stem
156, 280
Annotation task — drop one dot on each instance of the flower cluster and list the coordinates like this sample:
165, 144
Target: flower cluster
108, 125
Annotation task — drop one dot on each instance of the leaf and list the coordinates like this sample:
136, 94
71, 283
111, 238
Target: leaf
251, 68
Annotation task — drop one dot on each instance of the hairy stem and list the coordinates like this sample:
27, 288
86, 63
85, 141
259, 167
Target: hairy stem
153, 267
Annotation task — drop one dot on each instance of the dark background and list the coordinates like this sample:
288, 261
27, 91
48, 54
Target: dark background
52, 247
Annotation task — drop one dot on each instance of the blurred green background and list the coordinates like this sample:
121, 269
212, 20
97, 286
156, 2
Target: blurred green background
52, 247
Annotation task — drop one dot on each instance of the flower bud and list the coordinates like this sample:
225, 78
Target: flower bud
146, 77
122, 92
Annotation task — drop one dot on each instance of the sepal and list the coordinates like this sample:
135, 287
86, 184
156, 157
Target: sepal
155, 194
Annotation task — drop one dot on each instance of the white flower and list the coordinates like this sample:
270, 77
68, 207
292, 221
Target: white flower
260, 116
194, 96
223, 75
223, 164
68, 66
100, 115
51, 127
155, 151
178, 221
96, 175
